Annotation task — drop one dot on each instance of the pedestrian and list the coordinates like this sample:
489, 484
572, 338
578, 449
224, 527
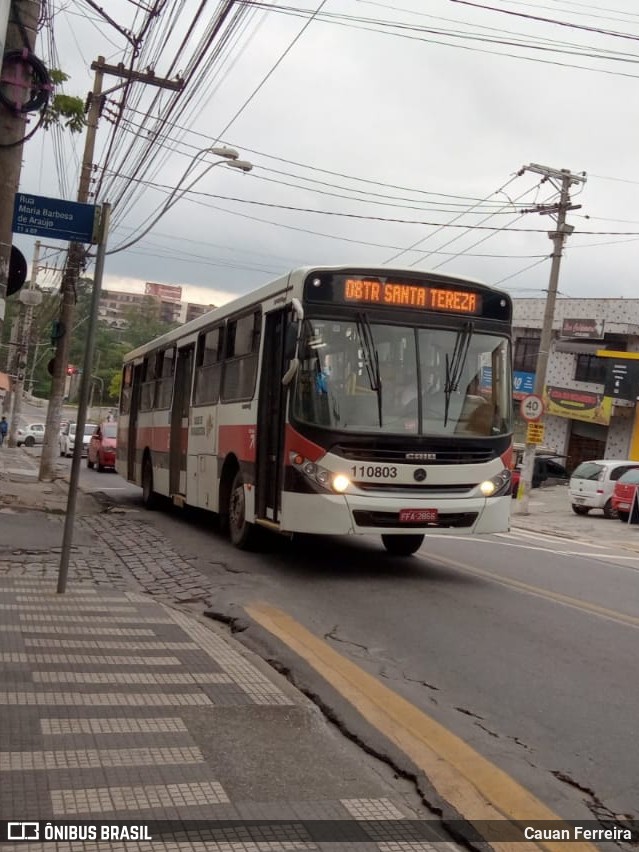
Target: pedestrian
4, 428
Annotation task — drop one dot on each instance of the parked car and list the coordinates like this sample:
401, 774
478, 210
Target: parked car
624, 494
592, 484
67, 439
102, 447
30, 435
547, 471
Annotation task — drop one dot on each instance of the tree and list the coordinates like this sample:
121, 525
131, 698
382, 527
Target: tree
115, 386
144, 323
65, 110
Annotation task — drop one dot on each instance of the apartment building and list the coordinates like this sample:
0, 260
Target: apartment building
115, 306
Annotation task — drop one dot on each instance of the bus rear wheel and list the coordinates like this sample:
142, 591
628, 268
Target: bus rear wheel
402, 545
243, 534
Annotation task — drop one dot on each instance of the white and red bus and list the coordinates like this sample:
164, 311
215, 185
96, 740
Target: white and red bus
334, 400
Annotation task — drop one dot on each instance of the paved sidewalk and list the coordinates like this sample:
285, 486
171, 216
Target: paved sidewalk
19, 486
551, 513
116, 704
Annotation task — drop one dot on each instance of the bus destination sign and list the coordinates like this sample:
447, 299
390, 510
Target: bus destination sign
408, 294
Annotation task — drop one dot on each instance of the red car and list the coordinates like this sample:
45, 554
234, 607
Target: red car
102, 447
624, 494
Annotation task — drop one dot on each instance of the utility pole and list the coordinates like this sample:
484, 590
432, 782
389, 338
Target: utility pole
5, 6
558, 236
76, 255
67, 537
29, 299
20, 35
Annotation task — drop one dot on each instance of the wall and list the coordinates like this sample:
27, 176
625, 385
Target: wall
619, 433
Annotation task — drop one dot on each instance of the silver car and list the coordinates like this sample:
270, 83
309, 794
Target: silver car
30, 435
67, 439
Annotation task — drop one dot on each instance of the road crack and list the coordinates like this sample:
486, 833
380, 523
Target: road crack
469, 713
604, 815
332, 634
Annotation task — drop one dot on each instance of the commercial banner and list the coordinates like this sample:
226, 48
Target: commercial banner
578, 405
622, 380
591, 329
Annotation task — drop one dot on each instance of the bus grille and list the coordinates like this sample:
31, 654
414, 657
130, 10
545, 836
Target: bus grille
391, 519
414, 490
457, 455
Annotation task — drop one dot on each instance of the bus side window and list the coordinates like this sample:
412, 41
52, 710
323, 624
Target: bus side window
164, 383
148, 383
125, 390
242, 350
208, 366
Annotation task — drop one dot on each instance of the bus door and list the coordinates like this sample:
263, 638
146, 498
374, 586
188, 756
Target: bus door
179, 411
132, 440
270, 418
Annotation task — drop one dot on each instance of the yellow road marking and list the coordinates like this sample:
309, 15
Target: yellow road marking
555, 597
474, 786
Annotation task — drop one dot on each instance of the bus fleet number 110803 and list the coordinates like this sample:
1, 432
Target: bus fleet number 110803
334, 400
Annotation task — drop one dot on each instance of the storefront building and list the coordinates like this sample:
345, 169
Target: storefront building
592, 380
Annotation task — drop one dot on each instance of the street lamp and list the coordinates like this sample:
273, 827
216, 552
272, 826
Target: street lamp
229, 157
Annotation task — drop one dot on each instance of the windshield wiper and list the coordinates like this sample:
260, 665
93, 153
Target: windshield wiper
371, 359
456, 363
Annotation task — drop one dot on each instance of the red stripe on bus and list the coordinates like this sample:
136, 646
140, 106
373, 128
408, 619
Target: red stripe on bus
239, 440
295, 443
507, 457
158, 438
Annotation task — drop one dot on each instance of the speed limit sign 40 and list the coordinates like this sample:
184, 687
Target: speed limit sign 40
532, 407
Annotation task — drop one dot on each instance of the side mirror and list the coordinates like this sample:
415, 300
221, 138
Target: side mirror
290, 342
288, 376
298, 310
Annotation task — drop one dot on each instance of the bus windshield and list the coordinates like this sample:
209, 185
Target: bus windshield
357, 376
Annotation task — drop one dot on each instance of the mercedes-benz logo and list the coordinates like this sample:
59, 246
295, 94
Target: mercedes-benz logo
419, 475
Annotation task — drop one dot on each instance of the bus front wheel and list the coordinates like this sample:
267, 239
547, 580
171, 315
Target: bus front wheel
402, 545
243, 534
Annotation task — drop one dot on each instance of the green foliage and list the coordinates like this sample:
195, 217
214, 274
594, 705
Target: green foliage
65, 110
115, 386
111, 344
144, 324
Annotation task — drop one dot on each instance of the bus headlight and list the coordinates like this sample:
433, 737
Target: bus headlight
497, 485
340, 483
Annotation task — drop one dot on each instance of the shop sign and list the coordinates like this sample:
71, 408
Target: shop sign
578, 404
592, 329
622, 380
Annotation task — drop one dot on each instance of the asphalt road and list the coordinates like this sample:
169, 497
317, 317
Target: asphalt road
524, 645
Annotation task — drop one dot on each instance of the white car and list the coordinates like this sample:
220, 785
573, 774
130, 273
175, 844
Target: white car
30, 435
592, 484
67, 439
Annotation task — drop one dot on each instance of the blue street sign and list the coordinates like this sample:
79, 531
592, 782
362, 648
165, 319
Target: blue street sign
38, 216
523, 383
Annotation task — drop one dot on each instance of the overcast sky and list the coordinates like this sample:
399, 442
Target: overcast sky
426, 113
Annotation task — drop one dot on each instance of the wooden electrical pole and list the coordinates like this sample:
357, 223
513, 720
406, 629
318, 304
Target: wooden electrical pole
76, 256
565, 179
29, 299
21, 34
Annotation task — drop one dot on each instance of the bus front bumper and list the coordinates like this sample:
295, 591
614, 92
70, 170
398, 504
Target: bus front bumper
336, 514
